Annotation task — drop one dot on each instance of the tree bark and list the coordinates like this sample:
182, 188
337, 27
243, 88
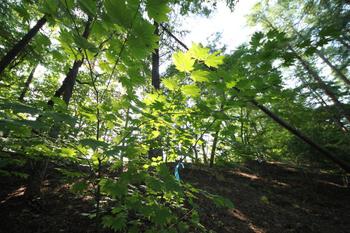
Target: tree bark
26, 85
294, 131
324, 59
20, 45
205, 159
213, 149
242, 127
155, 62
344, 43
335, 69
317, 78
39, 167
323, 103
323, 86
155, 148
301, 136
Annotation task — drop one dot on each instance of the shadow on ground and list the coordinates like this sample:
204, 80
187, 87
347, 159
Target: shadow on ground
268, 198
274, 198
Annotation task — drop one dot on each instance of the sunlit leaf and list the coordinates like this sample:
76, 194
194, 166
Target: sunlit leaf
191, 90
198, 52
200, 76
170, 83
213, 60
183, 61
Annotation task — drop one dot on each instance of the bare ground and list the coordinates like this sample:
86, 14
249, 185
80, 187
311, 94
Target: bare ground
268, 198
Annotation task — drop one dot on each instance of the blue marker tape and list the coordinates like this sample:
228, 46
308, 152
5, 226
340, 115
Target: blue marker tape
177, 174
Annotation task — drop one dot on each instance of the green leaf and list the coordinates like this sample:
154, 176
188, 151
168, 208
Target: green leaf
155, 134
150, 98
191, 90
170, 83
158, 10
256, 38
116, 223
50, 6
83, 43
67, 152
19, 108
79, 187
143, 40
213, 60
183, 61
162, 216
198, 52
114, 189
118, 12
93, 143
231, 84
88, 6
200, 76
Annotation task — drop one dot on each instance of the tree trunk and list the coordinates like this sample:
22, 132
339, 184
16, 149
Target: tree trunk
213, 149
69, 81
323, 86
335, 69
294, 131
155, 147
195, 154
317, 78
324, 59
344, 43
35, 178
155, 62
205, 159
20, 45
66, 89
242, 127
301, 136
323, 103
26, 85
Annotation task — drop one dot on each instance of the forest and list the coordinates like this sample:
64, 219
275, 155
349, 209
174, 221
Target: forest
110, 122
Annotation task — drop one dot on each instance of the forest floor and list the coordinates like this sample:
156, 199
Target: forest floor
268, 197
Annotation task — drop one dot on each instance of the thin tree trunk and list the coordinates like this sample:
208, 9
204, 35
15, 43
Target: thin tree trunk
99, 169
325, 105
324, 59
20, 45
242, 127
324, 87
126, 125
195, 154
246, 132
205, 159
335, 69
344, 43
155, 150
155, 62
317, 78
26, 85
294, 131
70, 80
301, 136
213, 149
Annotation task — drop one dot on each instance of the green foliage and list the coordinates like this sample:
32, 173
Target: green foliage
183, 61
158, 10
101, 141
190, 90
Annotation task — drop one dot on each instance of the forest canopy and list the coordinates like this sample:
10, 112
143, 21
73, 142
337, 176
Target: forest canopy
82, 97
